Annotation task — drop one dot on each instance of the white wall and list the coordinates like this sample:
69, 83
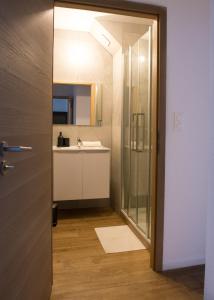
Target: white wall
209, 276
186, 149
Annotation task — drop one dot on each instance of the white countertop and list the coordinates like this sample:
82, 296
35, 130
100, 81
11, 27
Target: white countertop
81, 148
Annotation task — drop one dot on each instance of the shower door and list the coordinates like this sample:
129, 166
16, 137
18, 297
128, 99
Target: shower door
137, 132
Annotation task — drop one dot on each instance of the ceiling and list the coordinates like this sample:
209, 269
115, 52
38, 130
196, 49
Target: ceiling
110, 30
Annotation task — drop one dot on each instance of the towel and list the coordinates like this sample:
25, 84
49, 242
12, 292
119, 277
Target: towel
91, 144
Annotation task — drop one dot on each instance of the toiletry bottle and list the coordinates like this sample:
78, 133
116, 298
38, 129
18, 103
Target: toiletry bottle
60, 140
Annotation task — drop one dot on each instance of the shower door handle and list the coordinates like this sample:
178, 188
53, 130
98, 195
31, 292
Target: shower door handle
139, 125
135, 132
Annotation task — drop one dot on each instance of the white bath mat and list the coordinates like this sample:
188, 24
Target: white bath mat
118, 239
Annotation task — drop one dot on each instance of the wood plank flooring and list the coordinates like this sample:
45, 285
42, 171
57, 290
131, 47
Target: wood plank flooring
83, 271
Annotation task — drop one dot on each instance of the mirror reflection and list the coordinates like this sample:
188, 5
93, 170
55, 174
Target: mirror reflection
77, 104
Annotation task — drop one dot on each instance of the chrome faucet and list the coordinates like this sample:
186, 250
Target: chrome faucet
79, 141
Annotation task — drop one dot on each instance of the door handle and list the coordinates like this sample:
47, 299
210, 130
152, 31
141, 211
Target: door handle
4, 167
5, 148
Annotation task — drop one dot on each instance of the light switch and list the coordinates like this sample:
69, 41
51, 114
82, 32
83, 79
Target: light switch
178, 121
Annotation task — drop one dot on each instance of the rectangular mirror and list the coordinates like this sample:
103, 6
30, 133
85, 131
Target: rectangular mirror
77, 104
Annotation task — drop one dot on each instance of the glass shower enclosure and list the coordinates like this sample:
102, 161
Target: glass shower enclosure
137, 132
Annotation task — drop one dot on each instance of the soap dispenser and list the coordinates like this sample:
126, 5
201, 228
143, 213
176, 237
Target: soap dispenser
60, 140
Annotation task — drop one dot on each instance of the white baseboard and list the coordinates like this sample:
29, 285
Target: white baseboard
170, 265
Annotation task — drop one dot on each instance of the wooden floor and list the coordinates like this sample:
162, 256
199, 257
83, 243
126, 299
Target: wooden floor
83, 271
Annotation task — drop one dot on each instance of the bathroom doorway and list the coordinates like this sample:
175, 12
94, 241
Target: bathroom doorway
135, 35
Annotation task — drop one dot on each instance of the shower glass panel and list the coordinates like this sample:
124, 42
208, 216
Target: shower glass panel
126, 131
137, 132
134, 109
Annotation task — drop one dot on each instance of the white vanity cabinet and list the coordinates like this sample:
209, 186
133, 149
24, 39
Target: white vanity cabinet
67, 181
81, 173
96, 174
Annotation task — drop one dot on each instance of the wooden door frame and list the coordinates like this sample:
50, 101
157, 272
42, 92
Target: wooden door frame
160, 14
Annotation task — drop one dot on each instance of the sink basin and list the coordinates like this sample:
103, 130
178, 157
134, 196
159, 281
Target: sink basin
75, 147
92, 147
80, 148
